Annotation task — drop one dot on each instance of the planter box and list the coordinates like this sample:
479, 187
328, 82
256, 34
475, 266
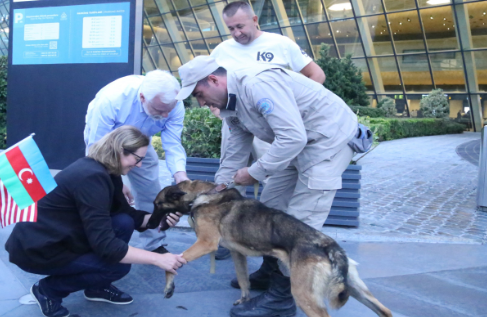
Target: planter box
344, 210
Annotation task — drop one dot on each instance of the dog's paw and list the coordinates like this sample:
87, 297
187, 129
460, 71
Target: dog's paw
169, 291
241, 300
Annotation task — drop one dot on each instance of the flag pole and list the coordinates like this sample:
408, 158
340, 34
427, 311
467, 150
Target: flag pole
16, 144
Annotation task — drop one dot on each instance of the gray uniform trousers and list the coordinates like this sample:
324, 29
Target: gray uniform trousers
144, 185
295, 193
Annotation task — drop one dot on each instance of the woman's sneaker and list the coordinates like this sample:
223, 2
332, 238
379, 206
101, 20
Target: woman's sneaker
49, 307
110, 295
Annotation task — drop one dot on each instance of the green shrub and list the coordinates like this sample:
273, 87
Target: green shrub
398, 128
343, 77
389, 106
201, 136
367, 111
435, 105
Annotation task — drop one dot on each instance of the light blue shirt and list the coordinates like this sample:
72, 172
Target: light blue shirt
118, 104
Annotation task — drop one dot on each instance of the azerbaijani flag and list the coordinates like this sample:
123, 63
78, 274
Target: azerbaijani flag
25, 174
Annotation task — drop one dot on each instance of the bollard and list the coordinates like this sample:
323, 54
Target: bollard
482, 183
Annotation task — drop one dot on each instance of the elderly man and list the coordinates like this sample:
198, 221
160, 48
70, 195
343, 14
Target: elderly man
309, 128
148, 103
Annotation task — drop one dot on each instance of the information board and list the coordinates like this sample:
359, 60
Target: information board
93, 33
61, 53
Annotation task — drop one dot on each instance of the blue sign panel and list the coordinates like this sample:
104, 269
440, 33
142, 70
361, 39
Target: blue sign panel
95, 33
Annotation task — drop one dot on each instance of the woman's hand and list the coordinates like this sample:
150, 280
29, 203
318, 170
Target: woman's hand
170, 262
128, 195
173, 219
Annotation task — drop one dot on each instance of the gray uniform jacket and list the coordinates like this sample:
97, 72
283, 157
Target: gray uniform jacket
301, 118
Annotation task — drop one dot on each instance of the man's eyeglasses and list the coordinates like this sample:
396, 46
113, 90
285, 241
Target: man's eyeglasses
139, 158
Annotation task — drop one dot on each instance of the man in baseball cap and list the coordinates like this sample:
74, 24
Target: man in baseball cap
308, 128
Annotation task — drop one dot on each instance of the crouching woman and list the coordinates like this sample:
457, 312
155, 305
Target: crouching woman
80, 239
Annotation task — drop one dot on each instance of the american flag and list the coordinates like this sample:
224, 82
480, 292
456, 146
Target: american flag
10, 212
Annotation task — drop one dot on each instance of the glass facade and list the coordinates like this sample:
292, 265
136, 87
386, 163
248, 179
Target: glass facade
404, 48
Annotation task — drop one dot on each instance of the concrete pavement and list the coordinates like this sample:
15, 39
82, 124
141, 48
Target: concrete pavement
414, 191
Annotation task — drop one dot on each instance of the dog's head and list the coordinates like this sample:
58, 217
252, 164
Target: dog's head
178, 198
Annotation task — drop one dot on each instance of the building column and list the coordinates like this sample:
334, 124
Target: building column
366, 39
462, 30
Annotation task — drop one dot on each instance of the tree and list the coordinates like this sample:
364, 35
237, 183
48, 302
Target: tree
343, 78
435, 105
389, 106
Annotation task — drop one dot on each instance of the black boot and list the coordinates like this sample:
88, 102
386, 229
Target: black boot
259, 280
275, 302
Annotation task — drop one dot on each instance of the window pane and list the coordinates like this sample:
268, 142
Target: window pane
312, 11
481, 69
386, 68
197, 2
406, 32
157, 57
439, 28
338, 9
171, 56
147, 33
160, 30
199, 47
398, 5
147, 64
477, 24
319, 33
174, 27
179, 4
415, 72
362, 65
189, 23
150, 7
347, 38
371, 7
206, 22
164, 5
374, 28
267, 17
448, 71
291, 14
216, 10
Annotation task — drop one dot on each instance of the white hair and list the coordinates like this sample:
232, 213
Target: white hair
157, 82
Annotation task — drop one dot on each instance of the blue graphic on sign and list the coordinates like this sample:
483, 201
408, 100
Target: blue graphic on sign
265, 106
95, 33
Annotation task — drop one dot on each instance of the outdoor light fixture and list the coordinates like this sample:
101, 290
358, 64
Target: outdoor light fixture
400, 23
409, 20
431, 17
341, 6
434, 2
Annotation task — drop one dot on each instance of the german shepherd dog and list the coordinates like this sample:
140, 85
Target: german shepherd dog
318, 266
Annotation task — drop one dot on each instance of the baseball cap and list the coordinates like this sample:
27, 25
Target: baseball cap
194, 71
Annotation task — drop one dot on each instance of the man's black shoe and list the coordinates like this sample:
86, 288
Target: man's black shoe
222, 253
49, 307
110, 295
160, 250
260, 279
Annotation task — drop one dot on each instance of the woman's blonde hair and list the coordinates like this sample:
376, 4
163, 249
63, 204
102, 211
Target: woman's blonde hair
107, 150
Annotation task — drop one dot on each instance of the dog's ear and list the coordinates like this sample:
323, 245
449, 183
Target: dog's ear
174, 195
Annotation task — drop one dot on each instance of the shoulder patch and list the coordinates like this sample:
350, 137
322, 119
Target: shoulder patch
265, 106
